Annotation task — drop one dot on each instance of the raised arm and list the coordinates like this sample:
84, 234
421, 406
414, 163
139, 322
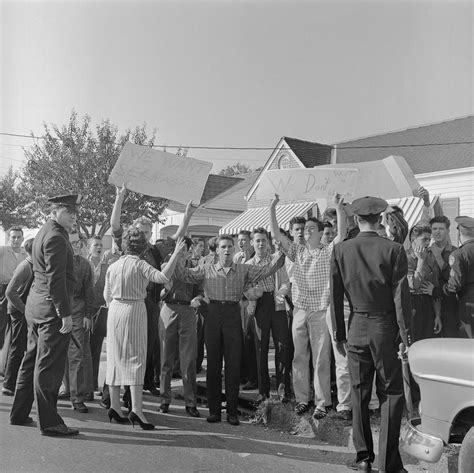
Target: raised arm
255, 273
341, 219
275, 229
171, 265
183, 226
121, 192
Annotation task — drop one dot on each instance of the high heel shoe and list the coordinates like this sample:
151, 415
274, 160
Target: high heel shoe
113, 414
132, 417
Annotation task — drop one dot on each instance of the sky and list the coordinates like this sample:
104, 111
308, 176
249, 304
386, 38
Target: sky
233, 73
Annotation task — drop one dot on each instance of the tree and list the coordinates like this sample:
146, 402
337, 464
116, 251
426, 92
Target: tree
12, 202
236, 169
71, 159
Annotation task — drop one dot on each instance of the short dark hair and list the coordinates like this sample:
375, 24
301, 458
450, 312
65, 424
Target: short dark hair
296, 220
260, 230
245, 232
196, 240
28, 245
418, 230
327, 224
329, 214
133, 241
398, 210
15, 228
225, 237
372, 219
441, 219
318, 222
190, 241
212, 244
93, 238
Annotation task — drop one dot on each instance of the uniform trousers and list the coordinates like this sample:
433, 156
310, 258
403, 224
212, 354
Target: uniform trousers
96, 342
41, 370
16, 350
372, 347
223, 335
152, 372
177, 327
343, 379
266, 320
3, 314
450, 317
311, 336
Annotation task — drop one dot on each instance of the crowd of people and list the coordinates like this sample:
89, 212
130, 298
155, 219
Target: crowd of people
336, 294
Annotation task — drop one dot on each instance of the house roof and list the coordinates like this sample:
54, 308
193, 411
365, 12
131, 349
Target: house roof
215, 185
308, 152
411, 143
233, 198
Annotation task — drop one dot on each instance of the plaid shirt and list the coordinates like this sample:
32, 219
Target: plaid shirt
267, 284
221, 286
311, 273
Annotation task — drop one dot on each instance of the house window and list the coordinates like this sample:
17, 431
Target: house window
284, 161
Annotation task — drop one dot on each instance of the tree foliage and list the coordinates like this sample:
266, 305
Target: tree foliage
236, 169
70, 159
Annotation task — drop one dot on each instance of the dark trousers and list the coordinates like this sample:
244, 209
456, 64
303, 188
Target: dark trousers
153, 368
3, 314
372, 346
248, 366
42, 369
290, 354
96, 342
16, 351
266, 320
223, 335
200, 318
450, 317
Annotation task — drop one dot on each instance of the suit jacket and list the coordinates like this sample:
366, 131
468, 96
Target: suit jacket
372, 272
53, 266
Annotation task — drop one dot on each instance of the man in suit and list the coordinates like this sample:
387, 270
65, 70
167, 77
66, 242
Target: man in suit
372, 272
461, 278
48, 313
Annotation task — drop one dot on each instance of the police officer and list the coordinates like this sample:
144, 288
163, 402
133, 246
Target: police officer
372, 272
461, 277
48, 313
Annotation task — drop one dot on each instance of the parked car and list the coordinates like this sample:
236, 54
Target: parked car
444, 370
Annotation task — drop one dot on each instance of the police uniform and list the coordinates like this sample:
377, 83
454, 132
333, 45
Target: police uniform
372, 272
49, 300
461, 277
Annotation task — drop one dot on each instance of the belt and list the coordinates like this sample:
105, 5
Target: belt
127, 300
212, 301
177, 302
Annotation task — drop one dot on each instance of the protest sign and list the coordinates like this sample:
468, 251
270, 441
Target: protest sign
388, 178
159, 174
307, 184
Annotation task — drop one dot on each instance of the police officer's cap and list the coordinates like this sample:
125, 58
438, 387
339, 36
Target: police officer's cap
70, 201
466, 222
369, 206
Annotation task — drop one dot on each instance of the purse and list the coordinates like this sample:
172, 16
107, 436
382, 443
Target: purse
99, 322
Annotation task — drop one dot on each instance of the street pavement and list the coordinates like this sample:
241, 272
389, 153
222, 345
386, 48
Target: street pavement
179, 444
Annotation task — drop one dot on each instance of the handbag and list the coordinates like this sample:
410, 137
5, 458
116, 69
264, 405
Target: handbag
99, 322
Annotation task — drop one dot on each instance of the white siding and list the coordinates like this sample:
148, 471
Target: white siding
450, 184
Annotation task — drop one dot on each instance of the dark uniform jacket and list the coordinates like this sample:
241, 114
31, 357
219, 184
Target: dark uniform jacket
53, 266
461, 279
372, 272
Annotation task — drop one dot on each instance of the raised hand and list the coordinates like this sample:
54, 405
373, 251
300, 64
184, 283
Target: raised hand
121, 191
180, 246
274, 202
190, 208
338, 200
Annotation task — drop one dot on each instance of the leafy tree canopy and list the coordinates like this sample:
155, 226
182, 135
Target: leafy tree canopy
71, 159
236, 169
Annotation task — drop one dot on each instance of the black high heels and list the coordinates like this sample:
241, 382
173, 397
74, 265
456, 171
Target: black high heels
132, 417
114, 415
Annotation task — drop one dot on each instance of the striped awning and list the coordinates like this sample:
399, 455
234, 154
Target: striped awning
260, 217
413, 208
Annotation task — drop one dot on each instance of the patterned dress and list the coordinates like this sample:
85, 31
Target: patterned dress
125, 291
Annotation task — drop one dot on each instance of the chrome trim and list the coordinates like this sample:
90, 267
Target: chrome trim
446, 379
420, 445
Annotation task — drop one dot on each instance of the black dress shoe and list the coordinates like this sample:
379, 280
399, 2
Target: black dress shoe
192, 411
249, 385
59, 430
80, 407
233, 420
164, 408
363, 465
8, 392
154, 391
213, 418
402, 470
26, 421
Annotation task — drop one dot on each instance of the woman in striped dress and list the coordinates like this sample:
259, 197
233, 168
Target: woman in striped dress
125, 291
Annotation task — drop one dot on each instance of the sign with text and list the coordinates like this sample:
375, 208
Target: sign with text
308, 184
388, 178
159, 174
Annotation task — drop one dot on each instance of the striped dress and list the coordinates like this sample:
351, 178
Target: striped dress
125, 291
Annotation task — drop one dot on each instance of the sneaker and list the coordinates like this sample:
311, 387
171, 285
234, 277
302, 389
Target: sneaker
7, 392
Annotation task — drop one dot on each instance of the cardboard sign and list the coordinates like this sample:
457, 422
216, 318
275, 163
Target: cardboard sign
308, 184
388, 178
160, 174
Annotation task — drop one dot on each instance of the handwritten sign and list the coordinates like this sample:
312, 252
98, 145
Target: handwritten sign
160, 174
308, 184
388, 178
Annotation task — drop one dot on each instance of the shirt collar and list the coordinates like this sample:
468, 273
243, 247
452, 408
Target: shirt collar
219, 266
